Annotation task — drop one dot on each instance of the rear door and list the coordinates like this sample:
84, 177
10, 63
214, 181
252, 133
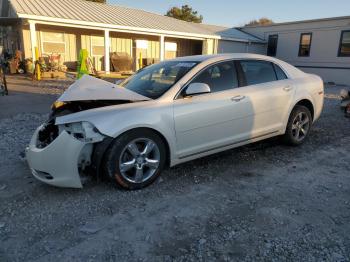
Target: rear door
270, 92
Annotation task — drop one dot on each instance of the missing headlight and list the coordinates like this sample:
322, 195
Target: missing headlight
83, 131
47, 134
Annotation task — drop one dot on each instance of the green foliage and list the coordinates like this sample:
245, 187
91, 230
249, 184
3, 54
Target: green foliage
185, 13
261, 21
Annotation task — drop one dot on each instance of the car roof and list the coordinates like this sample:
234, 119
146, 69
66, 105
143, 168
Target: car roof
292, 71
202, 58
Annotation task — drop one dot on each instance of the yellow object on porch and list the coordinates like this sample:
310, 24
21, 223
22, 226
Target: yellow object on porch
82, 63
141, 61
37, 66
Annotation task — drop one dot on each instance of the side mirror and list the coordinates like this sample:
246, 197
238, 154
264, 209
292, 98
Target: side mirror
197, 88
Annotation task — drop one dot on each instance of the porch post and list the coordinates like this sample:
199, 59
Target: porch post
107, 50
216, 46
32, 38
161, 48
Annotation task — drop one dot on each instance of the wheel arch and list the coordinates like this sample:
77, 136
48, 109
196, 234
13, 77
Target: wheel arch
308, 104
165, 141
303, 101
100, 149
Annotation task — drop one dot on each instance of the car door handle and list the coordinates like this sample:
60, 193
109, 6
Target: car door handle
237, 98
287, 88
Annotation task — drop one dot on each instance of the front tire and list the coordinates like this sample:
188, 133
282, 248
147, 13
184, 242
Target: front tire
135, 159
299, 125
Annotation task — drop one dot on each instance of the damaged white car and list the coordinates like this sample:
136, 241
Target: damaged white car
170, 113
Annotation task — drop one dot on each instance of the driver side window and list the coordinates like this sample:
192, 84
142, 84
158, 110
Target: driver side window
219, 77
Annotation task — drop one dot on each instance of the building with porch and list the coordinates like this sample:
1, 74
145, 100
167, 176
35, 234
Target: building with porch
65, 26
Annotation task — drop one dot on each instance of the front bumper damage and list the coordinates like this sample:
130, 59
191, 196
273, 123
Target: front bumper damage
59, 152
57, 163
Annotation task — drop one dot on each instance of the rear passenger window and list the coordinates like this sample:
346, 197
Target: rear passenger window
219, 77
279, 73
258, 72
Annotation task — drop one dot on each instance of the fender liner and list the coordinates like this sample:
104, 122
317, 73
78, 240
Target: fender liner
97, 156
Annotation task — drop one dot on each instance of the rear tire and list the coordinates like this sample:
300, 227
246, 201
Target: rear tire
298, 127
135, 159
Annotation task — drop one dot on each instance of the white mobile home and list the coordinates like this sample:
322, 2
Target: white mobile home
319, 46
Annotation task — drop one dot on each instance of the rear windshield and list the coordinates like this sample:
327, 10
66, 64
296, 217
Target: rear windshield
153, 81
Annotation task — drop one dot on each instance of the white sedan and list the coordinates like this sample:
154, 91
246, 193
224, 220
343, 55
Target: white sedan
170, 113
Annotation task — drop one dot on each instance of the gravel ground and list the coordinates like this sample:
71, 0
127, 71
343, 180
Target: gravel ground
24, 83
262, 202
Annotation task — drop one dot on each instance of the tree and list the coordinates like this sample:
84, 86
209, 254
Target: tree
261, 21
98, 1
185, 13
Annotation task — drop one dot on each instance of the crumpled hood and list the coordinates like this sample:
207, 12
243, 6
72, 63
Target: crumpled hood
91, 88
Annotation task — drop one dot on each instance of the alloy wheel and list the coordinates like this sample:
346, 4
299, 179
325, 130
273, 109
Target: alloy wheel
300, 126
139, 160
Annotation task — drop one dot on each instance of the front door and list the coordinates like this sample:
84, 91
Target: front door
207, 121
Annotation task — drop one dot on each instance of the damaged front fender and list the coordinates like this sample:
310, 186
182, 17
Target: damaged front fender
57, 163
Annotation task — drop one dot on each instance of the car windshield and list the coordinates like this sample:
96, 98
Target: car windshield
153, 81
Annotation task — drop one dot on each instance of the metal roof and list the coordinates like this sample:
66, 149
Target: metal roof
104, 15
300, 22
230, 33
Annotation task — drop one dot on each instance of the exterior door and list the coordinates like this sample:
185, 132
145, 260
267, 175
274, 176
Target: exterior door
270, 93
97, 51
207, 121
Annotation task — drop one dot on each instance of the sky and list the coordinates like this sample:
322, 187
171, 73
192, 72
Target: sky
238, 12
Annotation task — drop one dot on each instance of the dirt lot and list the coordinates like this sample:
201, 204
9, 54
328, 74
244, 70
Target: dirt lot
260, 202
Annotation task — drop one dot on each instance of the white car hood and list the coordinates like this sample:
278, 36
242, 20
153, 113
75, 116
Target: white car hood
91, 88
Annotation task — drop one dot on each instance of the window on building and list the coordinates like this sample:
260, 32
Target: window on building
53, 42
170, 50
97, 46
305, 44
344, 46
219, 77
98, 52
272, 45
258, 72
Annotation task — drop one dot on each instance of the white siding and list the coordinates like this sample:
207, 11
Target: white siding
231, 47
257, 49
239, 47
323, 59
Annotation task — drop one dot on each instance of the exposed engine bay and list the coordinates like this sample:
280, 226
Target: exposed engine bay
78, 143
50, 131
85, 94
65, 108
